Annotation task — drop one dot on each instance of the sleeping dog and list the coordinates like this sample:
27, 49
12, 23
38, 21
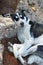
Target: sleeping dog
30, 34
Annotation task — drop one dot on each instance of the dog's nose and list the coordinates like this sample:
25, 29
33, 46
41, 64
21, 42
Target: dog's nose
22, 24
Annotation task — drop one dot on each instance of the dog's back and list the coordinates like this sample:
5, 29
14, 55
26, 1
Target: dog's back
36, 30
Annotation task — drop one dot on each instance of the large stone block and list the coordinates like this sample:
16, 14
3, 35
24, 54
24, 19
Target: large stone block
7, 28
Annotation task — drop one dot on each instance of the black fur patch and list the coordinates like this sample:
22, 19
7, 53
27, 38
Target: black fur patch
3, 15
40, 48
22, 15
36, 29
39, 51
31, 22
14, 17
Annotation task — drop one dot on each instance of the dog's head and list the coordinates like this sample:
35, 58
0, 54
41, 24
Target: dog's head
21, 19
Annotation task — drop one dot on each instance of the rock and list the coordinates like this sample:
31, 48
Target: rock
32, 8
7, 28
1, 53
8, 6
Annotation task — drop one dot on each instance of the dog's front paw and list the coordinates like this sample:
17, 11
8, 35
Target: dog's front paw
25, 63
10, 44
16, 55
10, 49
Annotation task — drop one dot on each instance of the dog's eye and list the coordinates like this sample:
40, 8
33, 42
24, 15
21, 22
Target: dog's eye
16, 17
21, 16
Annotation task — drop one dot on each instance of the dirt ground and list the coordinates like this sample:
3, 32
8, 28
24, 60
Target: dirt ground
9, 58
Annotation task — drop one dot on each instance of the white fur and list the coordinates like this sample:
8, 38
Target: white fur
35, 58
24, 49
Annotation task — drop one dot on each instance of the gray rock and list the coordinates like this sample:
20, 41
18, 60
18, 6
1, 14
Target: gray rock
33, 9
7, 28
1, 54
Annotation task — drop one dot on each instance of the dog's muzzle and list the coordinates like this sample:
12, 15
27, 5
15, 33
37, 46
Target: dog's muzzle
22, 24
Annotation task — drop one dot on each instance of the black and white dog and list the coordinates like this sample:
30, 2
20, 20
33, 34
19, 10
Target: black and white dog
30, 34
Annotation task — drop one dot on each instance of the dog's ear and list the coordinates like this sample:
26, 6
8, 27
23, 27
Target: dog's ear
12, 16
3, 15
22, 11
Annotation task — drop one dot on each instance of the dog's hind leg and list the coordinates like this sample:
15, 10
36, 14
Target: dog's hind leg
25, 49
36, 59
30, 50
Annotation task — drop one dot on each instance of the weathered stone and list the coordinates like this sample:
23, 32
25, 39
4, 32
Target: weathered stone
8, 6
33, 9
1, 54
7, 28
37, 2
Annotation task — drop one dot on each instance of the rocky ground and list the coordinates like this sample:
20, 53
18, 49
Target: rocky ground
32, 8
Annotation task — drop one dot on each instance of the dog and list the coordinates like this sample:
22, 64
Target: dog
30, 34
